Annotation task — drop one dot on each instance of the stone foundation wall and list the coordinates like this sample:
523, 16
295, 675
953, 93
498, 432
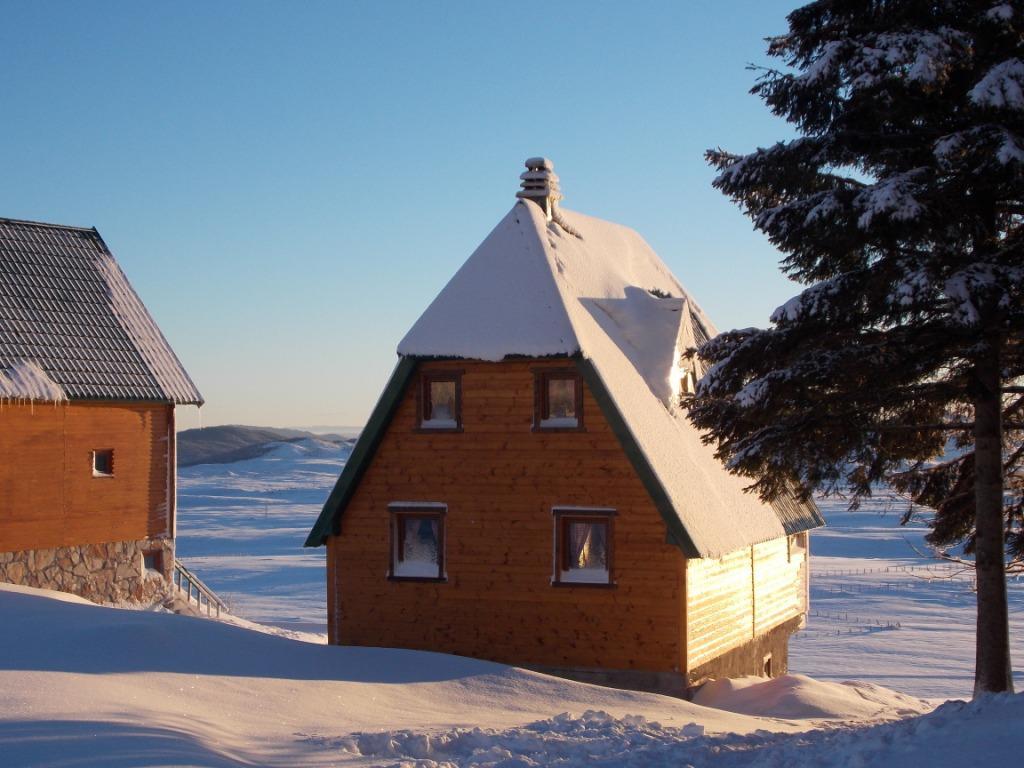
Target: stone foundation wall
113, 572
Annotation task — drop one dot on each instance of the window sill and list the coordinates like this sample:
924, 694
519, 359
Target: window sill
103, 474
436, 430
422, 579
541, 428
586, 584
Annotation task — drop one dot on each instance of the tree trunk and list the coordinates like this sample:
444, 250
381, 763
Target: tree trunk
992, 670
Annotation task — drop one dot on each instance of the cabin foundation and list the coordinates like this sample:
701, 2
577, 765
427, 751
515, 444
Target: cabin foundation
112, 572
766, 655
650, 681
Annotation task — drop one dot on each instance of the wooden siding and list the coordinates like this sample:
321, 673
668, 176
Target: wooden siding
744, 594
500, 481
48, 495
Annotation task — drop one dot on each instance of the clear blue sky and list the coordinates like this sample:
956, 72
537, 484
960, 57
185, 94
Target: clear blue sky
288, 185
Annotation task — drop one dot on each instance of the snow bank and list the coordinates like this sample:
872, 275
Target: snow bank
801, 697
954, 735
120, 687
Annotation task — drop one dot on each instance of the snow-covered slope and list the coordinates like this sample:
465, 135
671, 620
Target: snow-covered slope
241, 528
91, 686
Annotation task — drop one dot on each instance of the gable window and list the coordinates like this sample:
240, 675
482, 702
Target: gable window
417, 540
558, 400
103, 463
583, 545
440, 400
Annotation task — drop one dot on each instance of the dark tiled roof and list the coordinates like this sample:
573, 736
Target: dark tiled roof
67, 308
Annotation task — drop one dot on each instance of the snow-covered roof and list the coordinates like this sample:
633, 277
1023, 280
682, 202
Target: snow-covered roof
576, 285
72, 327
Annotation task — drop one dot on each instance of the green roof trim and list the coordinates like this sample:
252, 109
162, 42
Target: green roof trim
328, 524
795, 515
675, 530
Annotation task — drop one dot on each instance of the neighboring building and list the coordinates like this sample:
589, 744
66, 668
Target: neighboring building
528, 491
88, 386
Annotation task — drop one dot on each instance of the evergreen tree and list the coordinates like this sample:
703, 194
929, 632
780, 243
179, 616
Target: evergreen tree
900, 207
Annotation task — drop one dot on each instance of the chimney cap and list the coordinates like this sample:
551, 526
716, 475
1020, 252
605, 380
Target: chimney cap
540, 184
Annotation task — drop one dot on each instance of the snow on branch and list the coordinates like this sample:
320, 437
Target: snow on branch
1002, 87
892, 197
916, 56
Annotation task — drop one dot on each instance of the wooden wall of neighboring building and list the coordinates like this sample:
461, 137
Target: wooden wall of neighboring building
497, 478
742, 595
48, 494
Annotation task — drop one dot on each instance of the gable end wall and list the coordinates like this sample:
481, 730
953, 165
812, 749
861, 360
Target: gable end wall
500, 481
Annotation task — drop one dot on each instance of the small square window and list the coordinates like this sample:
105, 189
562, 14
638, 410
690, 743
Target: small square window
417, 542
583, 546
153, 560
559, 400
440, 400
103, 463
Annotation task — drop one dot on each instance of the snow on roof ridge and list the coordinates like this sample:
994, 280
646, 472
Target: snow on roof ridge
149, 340
533, 289
502, 301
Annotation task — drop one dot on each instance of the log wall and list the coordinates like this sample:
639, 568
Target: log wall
743, 595
500, 481
49, 497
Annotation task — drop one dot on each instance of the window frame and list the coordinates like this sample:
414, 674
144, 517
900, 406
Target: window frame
101, 451
564, 515
541, 378
400, 511
424, 403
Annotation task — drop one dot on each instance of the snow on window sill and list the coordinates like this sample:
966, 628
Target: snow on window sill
439, 424
560, 421
416, 569
593, 577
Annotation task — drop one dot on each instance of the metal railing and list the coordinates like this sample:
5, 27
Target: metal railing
186, 581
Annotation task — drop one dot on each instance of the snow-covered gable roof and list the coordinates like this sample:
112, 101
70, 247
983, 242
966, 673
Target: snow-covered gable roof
577, 285
72, 327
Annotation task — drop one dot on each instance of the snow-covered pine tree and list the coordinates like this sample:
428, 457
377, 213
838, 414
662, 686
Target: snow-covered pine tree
900, 206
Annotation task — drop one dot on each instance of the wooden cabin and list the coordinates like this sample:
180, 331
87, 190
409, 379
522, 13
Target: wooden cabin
527, 489
88, 388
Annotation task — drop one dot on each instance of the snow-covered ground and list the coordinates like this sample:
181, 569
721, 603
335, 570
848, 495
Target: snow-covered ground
86, 685
888, 613
92, 686
241, 527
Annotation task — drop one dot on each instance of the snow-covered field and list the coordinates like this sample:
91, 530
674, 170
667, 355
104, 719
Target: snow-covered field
241, 527
92, 686
86, 685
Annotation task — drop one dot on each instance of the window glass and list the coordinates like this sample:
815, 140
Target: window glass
584, 551
418, 545
442, 401
560, 407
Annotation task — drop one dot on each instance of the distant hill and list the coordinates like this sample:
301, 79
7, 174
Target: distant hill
235, 442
